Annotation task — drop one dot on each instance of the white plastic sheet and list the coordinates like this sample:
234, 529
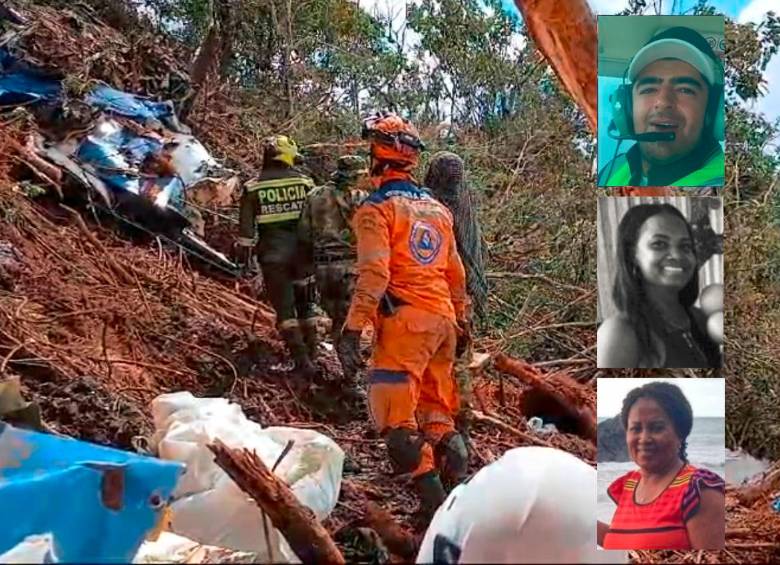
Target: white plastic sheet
533, 505
208, 507
172, 548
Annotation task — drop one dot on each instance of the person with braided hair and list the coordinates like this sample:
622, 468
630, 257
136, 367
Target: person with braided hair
667, 503
446, 180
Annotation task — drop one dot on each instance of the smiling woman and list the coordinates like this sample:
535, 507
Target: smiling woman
652, 265
666, 503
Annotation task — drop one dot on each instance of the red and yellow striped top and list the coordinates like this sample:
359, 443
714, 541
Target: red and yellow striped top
659, 524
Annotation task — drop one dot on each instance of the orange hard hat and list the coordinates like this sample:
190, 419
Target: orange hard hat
394, 140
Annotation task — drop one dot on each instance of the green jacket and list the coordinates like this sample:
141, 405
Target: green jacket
705, 167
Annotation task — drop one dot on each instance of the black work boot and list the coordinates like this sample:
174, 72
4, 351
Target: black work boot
463, 425
452, 459
293, 337
431, 493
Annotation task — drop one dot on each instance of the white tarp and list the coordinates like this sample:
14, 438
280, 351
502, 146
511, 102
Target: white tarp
208, 507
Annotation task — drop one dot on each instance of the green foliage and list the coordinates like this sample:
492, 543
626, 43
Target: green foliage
749, 48
752, 166
473, 69
528, 153
751, 163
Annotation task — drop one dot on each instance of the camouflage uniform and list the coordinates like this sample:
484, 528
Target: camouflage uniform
326, 236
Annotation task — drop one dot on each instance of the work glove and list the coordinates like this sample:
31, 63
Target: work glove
464, 339
349, 352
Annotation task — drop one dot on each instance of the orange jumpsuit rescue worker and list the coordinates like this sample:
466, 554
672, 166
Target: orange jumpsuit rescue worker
411, 286
270, 207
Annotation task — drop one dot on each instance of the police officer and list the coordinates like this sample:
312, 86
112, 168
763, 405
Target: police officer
271, 206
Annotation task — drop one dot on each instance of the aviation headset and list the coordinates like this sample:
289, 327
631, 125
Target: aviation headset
714, 117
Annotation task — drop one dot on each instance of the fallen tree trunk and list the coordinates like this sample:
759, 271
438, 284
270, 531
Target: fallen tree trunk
575, 399
306, 536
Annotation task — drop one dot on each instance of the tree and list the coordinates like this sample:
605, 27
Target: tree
473, 65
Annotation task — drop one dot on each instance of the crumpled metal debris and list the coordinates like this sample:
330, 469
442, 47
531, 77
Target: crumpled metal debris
134, 145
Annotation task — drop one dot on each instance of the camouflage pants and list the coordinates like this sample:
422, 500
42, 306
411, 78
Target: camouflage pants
463, 378
336, 283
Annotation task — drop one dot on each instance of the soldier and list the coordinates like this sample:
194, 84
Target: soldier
271, 206
327, 239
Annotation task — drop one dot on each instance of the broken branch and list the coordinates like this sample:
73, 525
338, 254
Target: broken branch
297, 523
480, 417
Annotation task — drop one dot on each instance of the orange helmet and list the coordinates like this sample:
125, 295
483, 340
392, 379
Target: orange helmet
394, 141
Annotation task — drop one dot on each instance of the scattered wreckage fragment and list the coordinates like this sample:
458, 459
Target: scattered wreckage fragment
127, 151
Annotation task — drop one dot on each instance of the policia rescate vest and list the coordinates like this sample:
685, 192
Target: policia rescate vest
270, 208
704, 167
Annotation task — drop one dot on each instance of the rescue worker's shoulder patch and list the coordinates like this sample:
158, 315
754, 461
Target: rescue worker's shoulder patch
425, 242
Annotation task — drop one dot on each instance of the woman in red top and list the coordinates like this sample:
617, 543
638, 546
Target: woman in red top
667, 503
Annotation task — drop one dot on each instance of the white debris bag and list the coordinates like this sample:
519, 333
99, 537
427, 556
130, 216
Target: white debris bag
171, 548
208, 507
33, 549
533, 505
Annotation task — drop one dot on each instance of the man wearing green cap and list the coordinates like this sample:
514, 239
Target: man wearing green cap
672, 105
327, 240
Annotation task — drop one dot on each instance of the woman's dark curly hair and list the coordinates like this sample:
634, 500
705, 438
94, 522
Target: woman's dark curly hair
672, 401
628, 291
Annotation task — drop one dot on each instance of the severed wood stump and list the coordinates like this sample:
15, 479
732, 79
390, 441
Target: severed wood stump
565, 33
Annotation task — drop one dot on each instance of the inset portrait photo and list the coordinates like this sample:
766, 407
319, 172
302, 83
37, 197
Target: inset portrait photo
660, 282
661, 114
661, 463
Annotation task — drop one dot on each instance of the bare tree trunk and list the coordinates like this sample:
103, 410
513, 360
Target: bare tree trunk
228, 23
288, 58
355, 97
210, 52
297, 523
286, 52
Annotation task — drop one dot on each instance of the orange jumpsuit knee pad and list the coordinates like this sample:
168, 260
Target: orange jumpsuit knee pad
405, 448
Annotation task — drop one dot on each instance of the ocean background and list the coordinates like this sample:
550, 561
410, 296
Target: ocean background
706, 448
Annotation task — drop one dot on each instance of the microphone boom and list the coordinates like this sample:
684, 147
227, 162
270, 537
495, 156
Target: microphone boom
654, 136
